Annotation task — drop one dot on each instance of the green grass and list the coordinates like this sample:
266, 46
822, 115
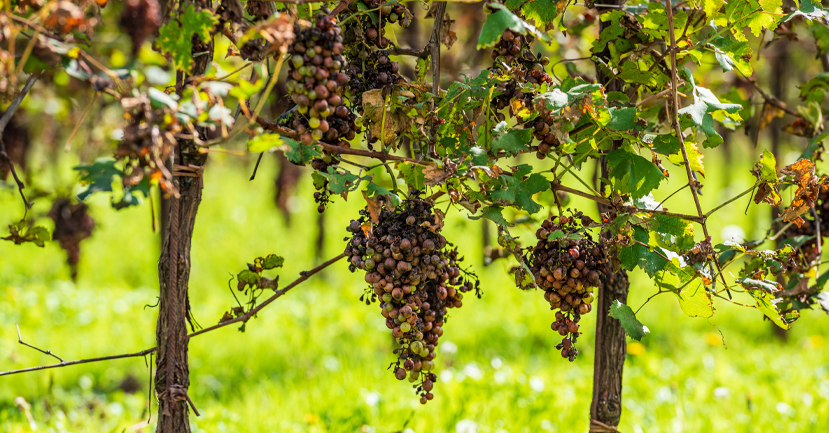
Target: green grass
315, 360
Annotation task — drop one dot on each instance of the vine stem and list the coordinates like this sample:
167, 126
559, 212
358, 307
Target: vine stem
675, 121
729, 201
304, 275
7, 117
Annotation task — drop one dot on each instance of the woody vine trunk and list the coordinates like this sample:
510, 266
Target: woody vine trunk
172, 377
609, 361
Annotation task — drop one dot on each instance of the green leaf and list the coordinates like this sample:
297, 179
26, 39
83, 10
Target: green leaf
809, 11
665, 144
704, 102
624, 314
339, 183
622, 119
513, 142
612, 32
375, 189
98, 176
300, 153
501, 20
543, 12
245, 89
633, 174
639, 255
176, 37
264, 143
816, 88
768, 167
272, 261
412, 174
732, 54
764, 302
248, 277
520, 191
695, 301
160, 99
37, 235
494, 214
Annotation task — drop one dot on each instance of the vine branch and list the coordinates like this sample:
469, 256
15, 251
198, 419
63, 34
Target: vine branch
7, 116
45, 352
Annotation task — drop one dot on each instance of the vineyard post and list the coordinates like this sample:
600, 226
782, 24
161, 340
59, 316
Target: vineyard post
172, 370
610, 349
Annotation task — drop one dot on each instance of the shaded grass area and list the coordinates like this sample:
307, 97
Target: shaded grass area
316, 360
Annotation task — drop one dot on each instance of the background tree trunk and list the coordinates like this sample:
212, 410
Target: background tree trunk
172, 377
609, 361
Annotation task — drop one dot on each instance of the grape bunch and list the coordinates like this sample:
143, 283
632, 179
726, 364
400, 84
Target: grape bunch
415, 277
369, 70
373, 33
543, 130
72, 225
567, 263
315, 83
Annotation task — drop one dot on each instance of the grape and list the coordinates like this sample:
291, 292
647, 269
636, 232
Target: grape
414, 296
568, 269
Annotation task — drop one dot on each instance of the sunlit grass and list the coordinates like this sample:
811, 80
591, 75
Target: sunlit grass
316, 359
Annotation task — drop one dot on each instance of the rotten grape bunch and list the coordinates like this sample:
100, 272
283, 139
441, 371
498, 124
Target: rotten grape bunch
414, 275
567, 264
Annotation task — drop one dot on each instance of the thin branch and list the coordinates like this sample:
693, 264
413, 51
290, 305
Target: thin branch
7, 116
81, 361
413, 52
606, 202
729, 201
304, 275
678, 129
45, 352
655, 96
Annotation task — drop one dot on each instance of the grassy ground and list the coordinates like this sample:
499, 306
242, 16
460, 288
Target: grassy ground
315, 360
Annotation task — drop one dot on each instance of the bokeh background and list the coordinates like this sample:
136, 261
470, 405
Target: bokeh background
315, 360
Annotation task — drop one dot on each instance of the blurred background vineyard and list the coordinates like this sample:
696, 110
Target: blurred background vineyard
316, 360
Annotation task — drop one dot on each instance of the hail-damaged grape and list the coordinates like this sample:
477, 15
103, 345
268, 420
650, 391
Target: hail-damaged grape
415, 278
568, 264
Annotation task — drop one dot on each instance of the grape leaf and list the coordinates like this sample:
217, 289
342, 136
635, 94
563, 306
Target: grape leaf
543, 12
808, 10
622, 119
514, 141
816, 88
176, 37
633, 174
764, 302
37, 235
639, 255
704, 102
501, 20
624, 314
272, 261
98, 176
520, 191
493, 213
732, 54
695, 301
